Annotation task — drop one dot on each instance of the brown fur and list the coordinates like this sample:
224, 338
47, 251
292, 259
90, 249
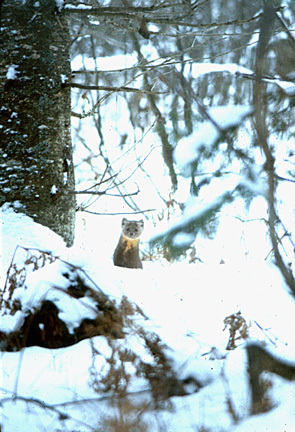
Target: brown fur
127, 250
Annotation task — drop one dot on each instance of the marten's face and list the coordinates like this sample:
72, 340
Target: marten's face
132, 229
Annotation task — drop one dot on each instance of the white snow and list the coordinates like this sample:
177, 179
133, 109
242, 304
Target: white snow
185, 305
199, 69
20, 230
12, 72
79, 6
288, 87
114, 63
53, 189
188, 149
59, 4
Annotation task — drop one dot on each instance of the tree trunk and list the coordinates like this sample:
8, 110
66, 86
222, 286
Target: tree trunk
36, 169
260, 360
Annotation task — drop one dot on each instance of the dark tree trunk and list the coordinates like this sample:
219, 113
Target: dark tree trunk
36, 168
260, 360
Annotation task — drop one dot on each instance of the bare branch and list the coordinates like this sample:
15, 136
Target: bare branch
140, 13
113, 10
61, 415
270, 80
112, 89
167, 149
105, 193
118, 213
288, 32
168, 61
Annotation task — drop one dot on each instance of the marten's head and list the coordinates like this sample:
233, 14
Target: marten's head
132, 229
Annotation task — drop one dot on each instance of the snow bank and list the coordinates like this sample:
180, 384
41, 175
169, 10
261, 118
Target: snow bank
185, 305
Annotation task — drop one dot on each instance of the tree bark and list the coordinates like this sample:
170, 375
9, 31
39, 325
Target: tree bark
260, 360
36, 169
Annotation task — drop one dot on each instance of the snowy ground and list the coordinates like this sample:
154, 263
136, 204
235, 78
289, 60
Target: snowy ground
186, 305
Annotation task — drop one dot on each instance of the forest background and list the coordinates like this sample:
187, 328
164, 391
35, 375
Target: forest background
182, 114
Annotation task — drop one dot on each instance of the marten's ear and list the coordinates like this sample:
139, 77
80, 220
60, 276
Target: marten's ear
141, 222
124, 220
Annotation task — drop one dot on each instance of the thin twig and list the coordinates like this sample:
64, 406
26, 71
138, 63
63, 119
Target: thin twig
61, 415
109, 88
105, 193
117, 213
138, 13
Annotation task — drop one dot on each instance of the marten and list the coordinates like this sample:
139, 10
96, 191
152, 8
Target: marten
127, 251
